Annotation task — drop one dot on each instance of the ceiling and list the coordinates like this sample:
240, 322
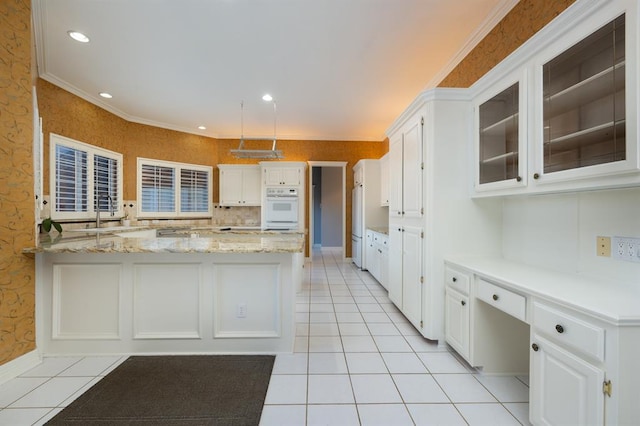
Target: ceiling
337, 69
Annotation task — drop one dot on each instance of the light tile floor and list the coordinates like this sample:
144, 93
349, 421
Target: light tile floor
357, 361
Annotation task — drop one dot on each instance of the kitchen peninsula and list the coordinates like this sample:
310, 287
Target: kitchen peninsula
201, 290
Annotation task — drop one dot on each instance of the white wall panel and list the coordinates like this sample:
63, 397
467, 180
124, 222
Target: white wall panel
559, 231
166, 301
86, 300
257, 288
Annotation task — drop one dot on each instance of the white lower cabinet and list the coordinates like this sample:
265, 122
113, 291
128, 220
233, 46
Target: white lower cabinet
565, 389
581, 359
377, 256
370, 253
567, 371
405, 271
457, 321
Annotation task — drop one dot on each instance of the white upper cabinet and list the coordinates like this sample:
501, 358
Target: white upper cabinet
395, 175
582, 123
282, 176
384, 180
405, 170
239, 185
567, 121
500, 139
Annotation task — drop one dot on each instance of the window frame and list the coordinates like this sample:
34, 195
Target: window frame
177, 188
91, 151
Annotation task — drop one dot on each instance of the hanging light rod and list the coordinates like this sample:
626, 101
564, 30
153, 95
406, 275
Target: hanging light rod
272, 153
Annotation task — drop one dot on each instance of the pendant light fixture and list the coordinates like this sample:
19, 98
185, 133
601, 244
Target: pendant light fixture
243, 152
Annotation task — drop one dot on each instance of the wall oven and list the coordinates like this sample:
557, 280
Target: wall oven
281, 208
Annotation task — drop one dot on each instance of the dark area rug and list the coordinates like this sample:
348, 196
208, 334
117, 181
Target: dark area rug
175, 390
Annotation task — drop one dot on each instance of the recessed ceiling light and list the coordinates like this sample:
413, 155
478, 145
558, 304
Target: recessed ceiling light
267, 98
78, 36
202, 128
106, 95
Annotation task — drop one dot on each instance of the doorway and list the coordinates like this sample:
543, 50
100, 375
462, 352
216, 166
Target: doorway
327, 204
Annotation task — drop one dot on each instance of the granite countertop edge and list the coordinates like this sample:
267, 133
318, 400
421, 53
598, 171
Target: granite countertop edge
200, 240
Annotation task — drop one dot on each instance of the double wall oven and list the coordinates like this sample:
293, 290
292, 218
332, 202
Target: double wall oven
281, 208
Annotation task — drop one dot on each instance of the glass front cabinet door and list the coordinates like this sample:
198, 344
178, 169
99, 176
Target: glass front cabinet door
500, 142
584, 110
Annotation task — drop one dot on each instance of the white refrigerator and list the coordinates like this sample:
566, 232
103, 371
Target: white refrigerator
366, 208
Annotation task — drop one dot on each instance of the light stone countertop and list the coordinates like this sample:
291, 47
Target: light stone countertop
380, 229
611, 300
200, 240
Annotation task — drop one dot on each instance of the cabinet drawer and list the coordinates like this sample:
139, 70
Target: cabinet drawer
569, 330
456, 279
503, 299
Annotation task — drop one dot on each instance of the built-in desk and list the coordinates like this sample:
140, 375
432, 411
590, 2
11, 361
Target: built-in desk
577, 337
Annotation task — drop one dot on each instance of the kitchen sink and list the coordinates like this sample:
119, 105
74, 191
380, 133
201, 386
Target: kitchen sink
102, 230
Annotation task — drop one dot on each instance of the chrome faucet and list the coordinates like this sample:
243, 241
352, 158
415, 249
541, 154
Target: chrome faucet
113, 211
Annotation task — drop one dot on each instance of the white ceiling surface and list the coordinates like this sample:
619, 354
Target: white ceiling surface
338, 69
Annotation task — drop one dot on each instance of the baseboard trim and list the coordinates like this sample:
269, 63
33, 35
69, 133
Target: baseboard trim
16, 367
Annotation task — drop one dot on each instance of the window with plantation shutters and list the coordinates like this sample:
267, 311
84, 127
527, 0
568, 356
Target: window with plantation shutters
70, 179
105, 181
194, 190
167, 189
79, 174
157, 189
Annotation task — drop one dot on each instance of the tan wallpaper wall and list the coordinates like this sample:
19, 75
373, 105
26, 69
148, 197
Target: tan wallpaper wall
17, 271
523, 21
65, 114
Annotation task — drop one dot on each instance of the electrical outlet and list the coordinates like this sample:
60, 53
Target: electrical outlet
626, 248
241, 311
603, 246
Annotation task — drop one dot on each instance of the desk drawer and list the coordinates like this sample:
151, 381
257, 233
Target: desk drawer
456, 279
569, 330
503, 299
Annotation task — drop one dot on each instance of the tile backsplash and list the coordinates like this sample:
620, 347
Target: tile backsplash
221, 215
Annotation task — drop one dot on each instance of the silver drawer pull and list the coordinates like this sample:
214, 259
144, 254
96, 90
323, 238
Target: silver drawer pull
559, 328
495, 297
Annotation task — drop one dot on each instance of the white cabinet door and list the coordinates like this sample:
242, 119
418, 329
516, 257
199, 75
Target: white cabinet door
456, 323
370, 253
412, 170
500, 136
394, 282
231, 183
291, 176
395, 176
251, 189
412, 274
565, 389
384, 180
240, 185
286, 176
384, 267
273, 176
358, 174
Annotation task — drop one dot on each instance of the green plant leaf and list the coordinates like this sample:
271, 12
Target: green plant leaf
46, 225
57, 226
